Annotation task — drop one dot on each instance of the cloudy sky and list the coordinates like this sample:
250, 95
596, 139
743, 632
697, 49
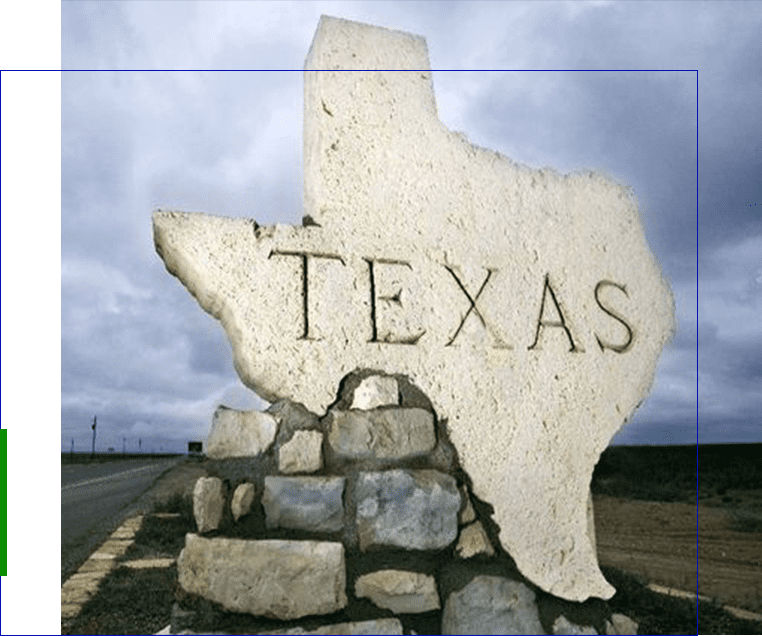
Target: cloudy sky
198, 107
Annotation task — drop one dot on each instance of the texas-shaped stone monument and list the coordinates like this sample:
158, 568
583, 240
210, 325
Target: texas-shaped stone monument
525, 303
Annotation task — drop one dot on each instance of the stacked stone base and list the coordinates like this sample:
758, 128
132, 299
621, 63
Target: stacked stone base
360, 522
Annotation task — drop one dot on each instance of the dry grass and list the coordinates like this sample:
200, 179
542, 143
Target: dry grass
133, 601
661, 614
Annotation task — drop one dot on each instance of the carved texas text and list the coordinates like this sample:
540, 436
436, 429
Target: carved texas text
398, 339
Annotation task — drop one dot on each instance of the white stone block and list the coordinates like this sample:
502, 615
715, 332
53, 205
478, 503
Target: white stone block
243, 497
240, 433
303, 453
473, 540
376, 390
208, 503
277, 579
400, 591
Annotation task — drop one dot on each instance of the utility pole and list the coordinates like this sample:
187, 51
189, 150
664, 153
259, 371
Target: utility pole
124, 446
140, 444
95, 423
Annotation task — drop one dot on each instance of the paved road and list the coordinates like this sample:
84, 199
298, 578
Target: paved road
95, 498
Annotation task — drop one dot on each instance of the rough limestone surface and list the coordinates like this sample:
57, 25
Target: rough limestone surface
473, 540
621, 624
243, 497
525, 303
400, 591
303, 453
240, 433
415, 509
304, 503
377, 626
491, 605
382, 434
562, 625
208, 503
375, 390
273, 578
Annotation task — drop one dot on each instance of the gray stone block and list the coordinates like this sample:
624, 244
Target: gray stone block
491, 605
361, 628
415, 509
292, 416
304, 503
563, 625
621, 625
467, 514
381, 434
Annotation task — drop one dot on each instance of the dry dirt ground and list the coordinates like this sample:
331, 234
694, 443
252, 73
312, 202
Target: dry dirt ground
658, 540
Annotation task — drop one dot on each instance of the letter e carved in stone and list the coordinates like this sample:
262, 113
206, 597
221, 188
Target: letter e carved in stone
395, 298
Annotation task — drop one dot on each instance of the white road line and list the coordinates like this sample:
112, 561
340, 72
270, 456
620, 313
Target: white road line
692, 596
124, 473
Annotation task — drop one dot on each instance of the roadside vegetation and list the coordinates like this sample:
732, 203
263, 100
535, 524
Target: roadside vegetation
660, 614
651, 473
668, 473
729, 477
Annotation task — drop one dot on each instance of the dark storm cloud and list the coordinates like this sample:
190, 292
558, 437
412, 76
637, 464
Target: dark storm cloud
730, 166
736, 371
730, 193
210, 353
138, 347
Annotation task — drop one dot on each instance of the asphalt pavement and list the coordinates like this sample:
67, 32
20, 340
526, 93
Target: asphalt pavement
96, 498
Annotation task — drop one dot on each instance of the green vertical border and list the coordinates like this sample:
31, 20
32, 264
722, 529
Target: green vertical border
30, 196
4, 502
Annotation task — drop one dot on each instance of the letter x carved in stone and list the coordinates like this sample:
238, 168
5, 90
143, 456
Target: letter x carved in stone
473, 308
